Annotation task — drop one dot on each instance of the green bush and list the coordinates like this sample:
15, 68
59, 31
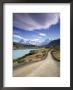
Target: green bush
20, 61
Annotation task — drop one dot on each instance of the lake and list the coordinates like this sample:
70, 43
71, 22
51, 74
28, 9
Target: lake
20, 53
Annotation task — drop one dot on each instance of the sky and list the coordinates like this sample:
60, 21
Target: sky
36, 28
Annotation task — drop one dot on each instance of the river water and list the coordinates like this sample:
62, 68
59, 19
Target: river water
20, 53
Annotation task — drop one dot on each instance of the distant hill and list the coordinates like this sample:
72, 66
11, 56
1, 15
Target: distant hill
53, 43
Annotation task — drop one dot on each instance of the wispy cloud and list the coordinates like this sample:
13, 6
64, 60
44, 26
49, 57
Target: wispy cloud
19, 37
35, 21
42, 34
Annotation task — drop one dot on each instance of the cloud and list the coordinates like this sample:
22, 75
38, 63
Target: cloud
42, 34
35, 39
35, 21
18, 37
39, 37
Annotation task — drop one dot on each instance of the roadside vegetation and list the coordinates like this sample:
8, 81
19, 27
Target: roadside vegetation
33, 56
56, 53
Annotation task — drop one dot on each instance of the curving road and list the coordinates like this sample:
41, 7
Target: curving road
45, 68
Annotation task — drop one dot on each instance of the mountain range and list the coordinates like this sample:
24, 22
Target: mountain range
29, 45
53, 43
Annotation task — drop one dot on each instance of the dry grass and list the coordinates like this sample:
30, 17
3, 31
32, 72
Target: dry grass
56, 55
41, 54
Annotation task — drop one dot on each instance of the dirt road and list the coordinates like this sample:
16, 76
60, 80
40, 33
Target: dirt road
45, 68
